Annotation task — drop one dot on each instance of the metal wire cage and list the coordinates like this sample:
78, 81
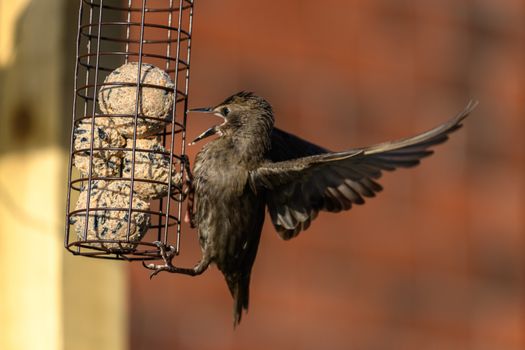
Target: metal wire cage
112, 33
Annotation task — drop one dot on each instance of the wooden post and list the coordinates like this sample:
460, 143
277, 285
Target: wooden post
48, 298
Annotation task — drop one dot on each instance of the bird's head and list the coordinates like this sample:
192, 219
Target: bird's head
243, 114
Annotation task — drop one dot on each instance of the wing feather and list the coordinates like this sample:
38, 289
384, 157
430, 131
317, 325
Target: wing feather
302, 178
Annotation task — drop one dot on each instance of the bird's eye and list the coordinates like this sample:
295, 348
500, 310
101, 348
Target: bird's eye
225, 111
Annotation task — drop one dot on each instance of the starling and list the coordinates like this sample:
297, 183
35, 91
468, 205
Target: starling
252, 165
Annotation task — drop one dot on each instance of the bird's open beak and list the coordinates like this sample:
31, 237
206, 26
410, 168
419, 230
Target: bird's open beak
210, 132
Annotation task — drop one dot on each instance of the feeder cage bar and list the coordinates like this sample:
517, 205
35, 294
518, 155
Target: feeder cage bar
128, 168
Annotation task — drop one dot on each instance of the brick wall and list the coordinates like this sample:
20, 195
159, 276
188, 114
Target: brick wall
436, 261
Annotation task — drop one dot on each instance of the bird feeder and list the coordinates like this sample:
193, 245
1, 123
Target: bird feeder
128, 169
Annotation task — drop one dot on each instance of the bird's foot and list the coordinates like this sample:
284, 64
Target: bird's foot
167, 252
186, 162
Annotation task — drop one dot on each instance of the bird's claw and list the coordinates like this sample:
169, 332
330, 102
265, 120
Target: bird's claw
185, 160
167, 252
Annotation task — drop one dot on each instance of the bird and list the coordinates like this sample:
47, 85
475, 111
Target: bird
252, 166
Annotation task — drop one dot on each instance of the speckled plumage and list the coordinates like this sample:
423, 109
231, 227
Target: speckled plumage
252, 166
228, 214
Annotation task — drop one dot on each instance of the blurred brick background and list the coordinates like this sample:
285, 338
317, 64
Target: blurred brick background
437, 260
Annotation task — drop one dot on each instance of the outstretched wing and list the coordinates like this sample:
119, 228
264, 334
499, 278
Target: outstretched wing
298, 188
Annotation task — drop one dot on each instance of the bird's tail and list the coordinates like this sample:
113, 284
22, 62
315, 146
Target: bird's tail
240, 289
